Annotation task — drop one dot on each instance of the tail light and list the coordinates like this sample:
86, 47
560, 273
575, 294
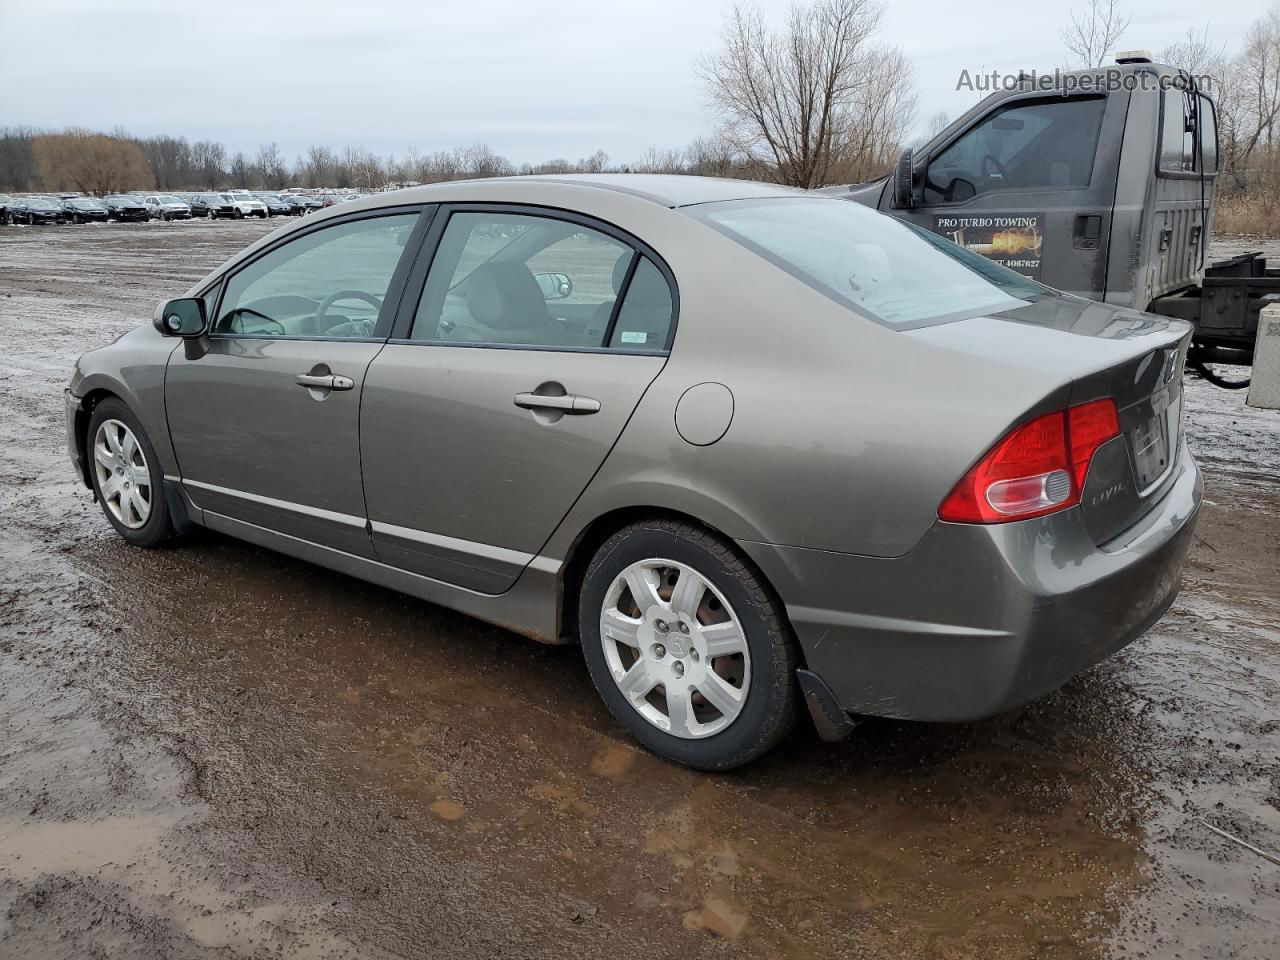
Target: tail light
1038, 468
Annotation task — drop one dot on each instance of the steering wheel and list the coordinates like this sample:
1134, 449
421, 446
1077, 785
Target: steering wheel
359, 328
997, 165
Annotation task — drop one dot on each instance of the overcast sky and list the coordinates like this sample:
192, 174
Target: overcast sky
559, 78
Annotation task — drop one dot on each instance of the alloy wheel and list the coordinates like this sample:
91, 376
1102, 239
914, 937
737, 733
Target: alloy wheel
675, 648
124, 481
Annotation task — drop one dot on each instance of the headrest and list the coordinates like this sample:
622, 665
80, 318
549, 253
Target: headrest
504, 295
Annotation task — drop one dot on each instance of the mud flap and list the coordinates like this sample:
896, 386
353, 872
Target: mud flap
829, 718
177, 504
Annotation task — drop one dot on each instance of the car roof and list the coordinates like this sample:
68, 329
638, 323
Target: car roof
668, 190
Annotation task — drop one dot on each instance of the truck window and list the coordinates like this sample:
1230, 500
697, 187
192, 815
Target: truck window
1178, 133
1026, 145
1209, 134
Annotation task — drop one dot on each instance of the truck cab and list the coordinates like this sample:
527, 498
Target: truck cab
1098, 183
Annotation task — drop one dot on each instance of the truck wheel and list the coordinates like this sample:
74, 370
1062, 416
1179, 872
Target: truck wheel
688, 648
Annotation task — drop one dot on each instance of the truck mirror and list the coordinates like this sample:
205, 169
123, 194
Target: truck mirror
904, 191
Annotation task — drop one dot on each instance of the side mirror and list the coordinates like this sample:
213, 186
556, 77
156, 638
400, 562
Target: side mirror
905, 196
180, 318
554, 286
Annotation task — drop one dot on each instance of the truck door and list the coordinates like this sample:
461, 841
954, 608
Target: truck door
1030, 183
1174, 246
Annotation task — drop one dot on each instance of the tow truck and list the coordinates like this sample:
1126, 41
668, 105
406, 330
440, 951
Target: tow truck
1099, 183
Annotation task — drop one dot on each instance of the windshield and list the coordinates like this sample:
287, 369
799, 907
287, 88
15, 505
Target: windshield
41, 204
85, 204
898, 274
169, 199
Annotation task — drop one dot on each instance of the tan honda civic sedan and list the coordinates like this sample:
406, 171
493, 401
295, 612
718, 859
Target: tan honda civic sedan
757, 451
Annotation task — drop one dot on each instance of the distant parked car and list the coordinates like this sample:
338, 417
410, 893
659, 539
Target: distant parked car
125, 208
33, 210
83, 210
5, 201
277, 206
307, 202
243, 205
213, 205
165, 206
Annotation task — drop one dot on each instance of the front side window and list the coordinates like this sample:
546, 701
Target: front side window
515, 279
1180, 123
330, 283
893, 272
1027, 145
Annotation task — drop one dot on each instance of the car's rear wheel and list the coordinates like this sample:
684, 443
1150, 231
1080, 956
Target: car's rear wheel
687, 646
126, 475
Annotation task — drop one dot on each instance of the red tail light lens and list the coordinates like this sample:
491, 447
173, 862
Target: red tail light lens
1089, 426
1038, 468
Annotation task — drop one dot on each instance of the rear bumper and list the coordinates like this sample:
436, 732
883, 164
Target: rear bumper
978, 619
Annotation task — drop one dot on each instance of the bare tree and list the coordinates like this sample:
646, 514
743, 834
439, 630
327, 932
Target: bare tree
271, 166
795, 100
90, 162
209, 161
1094, 31
1249, 107
936, 124
1196, 55
19, 169
479, 160
319, 167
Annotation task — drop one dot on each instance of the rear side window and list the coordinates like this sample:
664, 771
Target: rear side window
520, 280
644, 319
892, 272
1027, 145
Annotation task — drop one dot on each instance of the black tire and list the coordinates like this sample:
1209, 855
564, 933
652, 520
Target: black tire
769, 709
239, 214
158, 528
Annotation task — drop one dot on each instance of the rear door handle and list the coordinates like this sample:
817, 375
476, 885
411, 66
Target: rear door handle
565, 404
328, 382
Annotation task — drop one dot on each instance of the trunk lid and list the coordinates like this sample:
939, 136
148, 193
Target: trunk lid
1095, 350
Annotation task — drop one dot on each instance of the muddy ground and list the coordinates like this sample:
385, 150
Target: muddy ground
211, 751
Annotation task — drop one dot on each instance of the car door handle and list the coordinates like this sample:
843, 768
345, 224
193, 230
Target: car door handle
328, 382
567, 403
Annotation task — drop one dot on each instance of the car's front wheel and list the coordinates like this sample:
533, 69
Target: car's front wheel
126, 475
687, 646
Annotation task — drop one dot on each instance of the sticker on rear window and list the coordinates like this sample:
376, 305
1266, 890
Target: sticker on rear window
634, 336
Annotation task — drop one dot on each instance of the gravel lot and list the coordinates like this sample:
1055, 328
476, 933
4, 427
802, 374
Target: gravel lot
211, 751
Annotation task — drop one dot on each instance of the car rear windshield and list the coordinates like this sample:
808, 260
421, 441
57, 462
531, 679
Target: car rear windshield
893, 272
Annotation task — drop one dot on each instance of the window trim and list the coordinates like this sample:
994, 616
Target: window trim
415, 284
395, 288
1013, 103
